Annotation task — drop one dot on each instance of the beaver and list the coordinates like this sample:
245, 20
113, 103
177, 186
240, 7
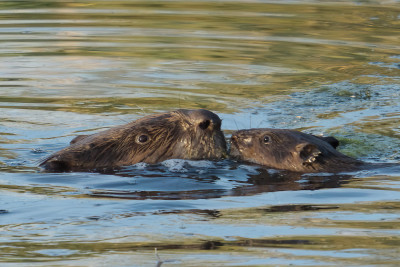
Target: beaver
179, 134
291, 150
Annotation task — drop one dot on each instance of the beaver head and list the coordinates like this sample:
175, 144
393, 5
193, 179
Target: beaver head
290, 150
180, 134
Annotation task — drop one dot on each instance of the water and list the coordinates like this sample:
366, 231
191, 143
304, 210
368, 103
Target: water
77, 67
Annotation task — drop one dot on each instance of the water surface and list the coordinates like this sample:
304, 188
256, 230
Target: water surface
78, 67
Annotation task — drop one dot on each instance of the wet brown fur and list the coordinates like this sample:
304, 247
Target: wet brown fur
184, 134
290, 150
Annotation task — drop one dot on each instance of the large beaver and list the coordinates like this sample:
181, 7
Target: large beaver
180, 134
290, 150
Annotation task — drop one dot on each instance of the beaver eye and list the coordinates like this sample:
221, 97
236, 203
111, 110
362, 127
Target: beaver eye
142, 139
204, 124
266, 139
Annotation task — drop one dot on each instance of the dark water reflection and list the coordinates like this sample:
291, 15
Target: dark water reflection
78, 67
220, 179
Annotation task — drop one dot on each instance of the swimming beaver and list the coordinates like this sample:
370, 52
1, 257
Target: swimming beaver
290, 150
180, 134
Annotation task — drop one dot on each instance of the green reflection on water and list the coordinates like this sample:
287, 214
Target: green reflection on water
318, 43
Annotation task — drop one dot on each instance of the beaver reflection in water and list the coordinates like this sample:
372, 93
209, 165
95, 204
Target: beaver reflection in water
290, 150
180, 134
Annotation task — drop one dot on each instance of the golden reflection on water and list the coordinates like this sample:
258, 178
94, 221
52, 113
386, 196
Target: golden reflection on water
293, 46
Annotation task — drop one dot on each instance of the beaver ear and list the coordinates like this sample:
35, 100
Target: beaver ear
77, 139
330, 140
308, 152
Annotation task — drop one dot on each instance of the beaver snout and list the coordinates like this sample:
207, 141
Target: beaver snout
237, 145
202, 118
234, 152
241, 139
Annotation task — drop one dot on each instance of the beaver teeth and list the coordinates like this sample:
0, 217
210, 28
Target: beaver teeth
313, 157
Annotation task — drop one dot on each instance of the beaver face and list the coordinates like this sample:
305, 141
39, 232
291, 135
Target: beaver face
288, 150
180, 134
201, 136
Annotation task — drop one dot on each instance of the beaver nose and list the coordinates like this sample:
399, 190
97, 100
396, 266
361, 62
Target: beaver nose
204, 124
234, 141
234, 138
203, 118
241, 137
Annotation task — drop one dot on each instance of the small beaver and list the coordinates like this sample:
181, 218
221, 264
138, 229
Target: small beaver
180, 134
290, 150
